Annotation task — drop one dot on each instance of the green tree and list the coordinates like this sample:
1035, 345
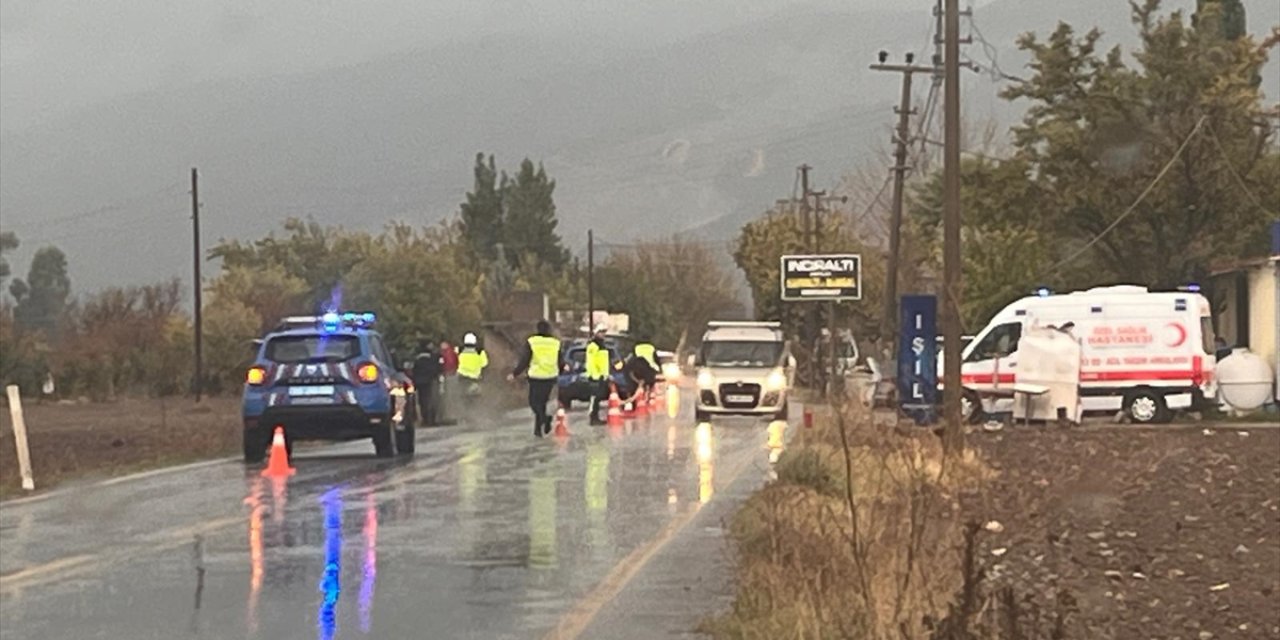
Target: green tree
670, 287
414, 283
266, 293
319, 256
8, 242
482, 213
759, 250
529, 229
230, 327
1099, 132
43, 295
1227, 17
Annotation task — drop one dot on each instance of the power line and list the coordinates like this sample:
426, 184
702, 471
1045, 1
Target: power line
1257, 202
1133, 207
109, 208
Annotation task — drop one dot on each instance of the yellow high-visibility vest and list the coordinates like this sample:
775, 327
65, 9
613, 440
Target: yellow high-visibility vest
597, 362
544, 364
649, 353
471, 364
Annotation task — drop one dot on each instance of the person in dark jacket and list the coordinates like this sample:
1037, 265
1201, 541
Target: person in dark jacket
639, 377
540, 358
427, 368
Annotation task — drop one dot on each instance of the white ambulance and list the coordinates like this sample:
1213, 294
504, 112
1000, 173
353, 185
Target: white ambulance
1146, 353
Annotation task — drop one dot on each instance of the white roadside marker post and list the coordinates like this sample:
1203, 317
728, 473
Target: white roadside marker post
20, 437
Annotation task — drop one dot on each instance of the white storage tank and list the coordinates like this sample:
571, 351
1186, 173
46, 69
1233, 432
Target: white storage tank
1245, 380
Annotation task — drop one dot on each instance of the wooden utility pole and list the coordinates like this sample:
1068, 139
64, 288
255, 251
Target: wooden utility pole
197, 382
591, 281
902, 138
953, 435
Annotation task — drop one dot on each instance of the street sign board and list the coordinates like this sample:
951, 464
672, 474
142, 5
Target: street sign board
833, 276
918, 358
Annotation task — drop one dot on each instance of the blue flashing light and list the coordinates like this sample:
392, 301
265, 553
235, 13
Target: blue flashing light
1043, 292
368, 317
329, 321
1190, 287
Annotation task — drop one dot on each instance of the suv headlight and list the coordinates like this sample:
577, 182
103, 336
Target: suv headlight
776, 380
705, 379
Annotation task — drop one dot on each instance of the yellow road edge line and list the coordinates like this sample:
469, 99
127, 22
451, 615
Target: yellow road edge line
580, 616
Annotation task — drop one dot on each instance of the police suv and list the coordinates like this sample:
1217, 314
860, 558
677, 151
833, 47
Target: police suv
327, 377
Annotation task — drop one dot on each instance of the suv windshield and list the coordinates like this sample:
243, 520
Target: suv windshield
318, 348
741, 354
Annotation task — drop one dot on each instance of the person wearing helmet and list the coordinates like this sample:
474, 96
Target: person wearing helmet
471, 363
597, 366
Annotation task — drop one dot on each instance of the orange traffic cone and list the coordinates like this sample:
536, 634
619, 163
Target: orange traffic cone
615, 407
278, 465
562, 424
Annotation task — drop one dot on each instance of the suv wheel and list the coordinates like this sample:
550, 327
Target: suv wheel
255, 445
405, 437
384, 443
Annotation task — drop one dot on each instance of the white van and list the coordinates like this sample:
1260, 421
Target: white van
743, 368
1146, 353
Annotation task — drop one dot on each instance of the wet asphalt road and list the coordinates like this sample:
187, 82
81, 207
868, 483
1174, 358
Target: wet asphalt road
486, 533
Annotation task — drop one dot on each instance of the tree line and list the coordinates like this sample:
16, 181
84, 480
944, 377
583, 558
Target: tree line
437, 281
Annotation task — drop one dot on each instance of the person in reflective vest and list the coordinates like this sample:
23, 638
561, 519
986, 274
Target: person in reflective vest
597, 366
645, 350
540, 360
471, 363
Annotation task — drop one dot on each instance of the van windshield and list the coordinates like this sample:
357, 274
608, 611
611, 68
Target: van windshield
734, 353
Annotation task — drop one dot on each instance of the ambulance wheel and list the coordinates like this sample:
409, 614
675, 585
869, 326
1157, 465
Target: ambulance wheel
971, 407
1145, 406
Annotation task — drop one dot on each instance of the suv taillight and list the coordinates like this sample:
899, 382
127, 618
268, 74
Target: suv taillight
255, 376
368, 372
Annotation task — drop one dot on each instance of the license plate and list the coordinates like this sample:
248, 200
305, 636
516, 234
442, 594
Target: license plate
312, 400
739, 398
326, 390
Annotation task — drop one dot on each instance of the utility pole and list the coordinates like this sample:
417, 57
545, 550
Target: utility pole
953, 437
197, 383
889, 330
591, 280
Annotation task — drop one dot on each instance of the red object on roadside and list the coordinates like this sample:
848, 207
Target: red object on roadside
808, 418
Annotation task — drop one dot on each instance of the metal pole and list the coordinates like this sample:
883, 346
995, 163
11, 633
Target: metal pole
197, 383
591, 280
953, 435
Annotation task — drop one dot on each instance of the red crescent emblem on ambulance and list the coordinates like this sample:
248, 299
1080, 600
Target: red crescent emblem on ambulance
1175, 334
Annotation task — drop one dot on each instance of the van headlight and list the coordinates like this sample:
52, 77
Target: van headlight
776, 380
705, 379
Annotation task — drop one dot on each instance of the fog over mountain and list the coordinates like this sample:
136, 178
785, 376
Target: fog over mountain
654, 117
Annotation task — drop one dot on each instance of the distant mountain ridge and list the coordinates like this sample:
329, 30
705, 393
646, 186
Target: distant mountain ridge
694, 137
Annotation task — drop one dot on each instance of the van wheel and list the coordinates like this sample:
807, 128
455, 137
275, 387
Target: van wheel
1145, 406
701, 416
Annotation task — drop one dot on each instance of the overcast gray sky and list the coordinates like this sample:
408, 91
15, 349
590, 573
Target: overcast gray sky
57, 55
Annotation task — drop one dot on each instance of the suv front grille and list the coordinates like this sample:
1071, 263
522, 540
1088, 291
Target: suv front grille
739, 396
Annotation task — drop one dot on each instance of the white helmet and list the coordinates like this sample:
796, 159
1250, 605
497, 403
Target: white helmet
602, 328
469, 340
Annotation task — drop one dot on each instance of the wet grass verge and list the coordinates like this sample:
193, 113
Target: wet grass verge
859, 536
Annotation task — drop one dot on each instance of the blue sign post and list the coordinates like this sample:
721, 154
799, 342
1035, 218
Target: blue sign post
918, 358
